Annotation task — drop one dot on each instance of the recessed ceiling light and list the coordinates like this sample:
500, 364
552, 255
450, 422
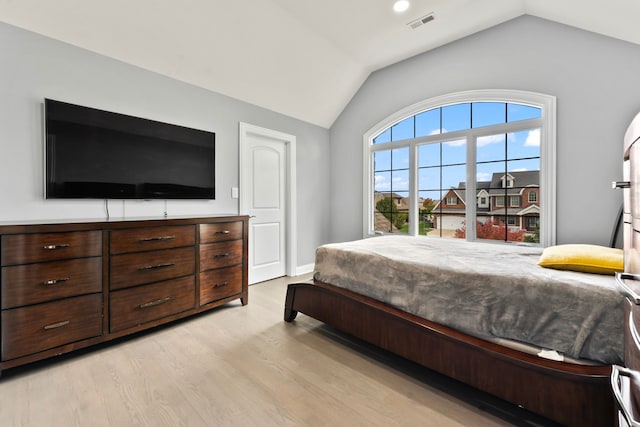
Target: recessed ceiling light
401, 5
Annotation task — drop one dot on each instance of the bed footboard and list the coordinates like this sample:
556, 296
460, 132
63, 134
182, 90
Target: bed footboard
570, 394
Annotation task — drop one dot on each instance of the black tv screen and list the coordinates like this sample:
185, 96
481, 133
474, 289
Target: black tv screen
99, 154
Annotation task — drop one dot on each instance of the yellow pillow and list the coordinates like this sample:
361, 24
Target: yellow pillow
584, 258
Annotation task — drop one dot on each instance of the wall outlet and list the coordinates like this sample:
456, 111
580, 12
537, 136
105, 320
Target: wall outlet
234, 192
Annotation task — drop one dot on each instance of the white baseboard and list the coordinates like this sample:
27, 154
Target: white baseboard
304, 269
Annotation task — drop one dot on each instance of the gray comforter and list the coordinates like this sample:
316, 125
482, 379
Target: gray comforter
484, 289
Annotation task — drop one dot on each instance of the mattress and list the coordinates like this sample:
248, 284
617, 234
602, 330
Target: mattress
489, 290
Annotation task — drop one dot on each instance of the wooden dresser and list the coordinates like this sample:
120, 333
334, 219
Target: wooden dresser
72, 285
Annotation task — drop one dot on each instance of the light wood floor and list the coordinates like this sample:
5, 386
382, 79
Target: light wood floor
242, 366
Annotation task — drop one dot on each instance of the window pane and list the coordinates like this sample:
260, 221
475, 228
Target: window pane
391, 212
516, 112
453, 176
491, 148
402, 130
428, 213
456, 117
429, 155
430, 199
488, 113
489, 174
382, 160
531, 165
401, 217
400, 158
429, 179
400, 180
454, 152
383, 137
382, 181
525, 144
428, 123
384, 210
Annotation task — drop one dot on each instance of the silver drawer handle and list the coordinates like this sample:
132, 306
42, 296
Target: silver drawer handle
154, 267
57, 325
633, 331
156, 302
621, 184
155, 239
629, 293
616, 372
223, 232
55, 281
219, 285
54, 247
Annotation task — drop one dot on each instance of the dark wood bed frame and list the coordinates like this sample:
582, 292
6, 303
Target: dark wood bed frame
569, 394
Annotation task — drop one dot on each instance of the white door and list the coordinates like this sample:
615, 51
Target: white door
265, 196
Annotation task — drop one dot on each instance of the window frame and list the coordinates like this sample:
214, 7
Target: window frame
546, 124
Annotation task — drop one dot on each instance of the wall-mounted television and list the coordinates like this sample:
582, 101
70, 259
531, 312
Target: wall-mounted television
96, 154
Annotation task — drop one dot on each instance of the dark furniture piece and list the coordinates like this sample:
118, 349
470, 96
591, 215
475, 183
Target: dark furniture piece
72, 285
625, 380
570, 394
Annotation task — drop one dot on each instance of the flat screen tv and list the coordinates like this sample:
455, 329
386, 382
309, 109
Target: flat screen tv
96, 154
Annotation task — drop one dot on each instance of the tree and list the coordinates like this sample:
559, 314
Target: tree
387, 208
390, 211
428, 205
492, 230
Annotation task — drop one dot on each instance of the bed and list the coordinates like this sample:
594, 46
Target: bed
542, 339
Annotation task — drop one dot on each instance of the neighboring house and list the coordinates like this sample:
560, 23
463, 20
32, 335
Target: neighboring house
512, 198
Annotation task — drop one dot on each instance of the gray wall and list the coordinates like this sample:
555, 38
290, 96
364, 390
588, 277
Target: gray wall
596, 80
33, 67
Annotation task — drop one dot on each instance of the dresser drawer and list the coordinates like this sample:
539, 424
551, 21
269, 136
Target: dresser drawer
223, 254
140, 268
135, 306
29, 248
36, 283
220, 283
40, 327
151, 238
221, 231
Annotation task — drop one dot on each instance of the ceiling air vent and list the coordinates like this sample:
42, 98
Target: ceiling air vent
421, 21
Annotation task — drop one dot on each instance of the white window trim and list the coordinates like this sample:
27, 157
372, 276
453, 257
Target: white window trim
547, 153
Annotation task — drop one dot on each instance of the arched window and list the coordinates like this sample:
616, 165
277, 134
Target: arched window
480, 149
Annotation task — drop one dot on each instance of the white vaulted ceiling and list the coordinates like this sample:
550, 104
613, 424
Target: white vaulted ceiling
302, 58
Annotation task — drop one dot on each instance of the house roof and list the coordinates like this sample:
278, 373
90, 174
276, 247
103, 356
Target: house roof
520, 180
287, 55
